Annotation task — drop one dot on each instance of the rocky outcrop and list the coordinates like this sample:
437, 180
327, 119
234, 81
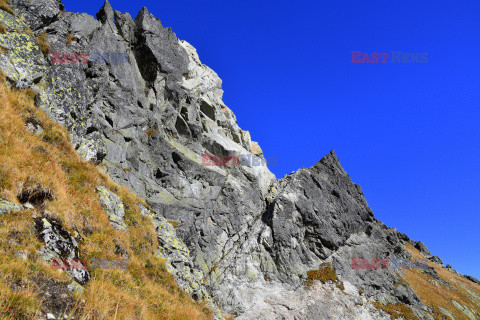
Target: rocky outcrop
473, 279
22, 60
7, 206
313, 215
426, 253
113, 207
317, 302
245, 240
37, 13
60, 244
178, 261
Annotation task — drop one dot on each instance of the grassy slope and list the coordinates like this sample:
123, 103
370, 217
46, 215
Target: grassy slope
145, 290
461, 290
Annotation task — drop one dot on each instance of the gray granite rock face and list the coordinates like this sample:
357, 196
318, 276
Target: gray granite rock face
113, 207
271, 301
137, 99
37, 13
178, 261
424, 250
23, 62
7, 206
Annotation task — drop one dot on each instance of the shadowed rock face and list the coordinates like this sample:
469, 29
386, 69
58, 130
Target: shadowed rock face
37, 13
244, 236
59, 244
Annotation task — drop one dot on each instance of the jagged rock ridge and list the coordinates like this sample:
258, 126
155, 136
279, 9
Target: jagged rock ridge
245, 237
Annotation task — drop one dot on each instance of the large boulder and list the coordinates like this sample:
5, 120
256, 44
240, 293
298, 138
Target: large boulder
7, 206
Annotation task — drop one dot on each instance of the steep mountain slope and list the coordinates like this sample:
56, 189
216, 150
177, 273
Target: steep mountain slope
139, 104
59, 215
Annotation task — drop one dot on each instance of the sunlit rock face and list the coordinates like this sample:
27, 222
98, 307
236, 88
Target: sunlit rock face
138, 100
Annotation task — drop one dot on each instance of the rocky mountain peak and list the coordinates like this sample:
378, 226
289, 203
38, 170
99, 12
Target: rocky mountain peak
331, 161
106, 13
148, 22
143, 106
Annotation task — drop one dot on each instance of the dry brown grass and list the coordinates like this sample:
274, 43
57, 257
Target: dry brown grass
175, 224
48, 162
150, 132
42, 42
324, 274
396, 311
440, 296
69, 39
21, 304
18, 299
5, 7
3, 50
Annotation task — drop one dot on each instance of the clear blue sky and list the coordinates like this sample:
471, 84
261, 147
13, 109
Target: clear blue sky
407, 133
